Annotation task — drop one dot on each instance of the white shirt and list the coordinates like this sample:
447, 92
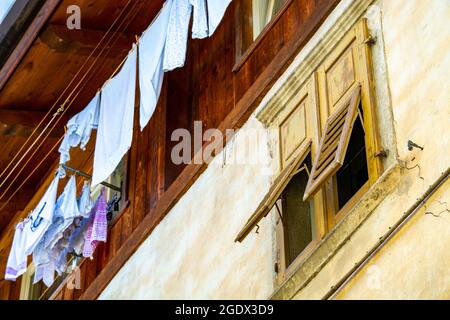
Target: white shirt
216, 11
79, 129
200, 20
115, 126
177, 35
151, 55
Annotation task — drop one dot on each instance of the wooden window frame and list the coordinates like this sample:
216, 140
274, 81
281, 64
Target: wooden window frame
242, 38
356, 39
284, 270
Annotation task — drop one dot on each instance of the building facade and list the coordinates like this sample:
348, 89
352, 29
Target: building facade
319, 165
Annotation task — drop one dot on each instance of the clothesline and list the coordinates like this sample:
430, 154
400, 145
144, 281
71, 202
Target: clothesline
64, 107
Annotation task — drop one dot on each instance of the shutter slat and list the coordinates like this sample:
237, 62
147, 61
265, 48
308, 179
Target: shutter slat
334, 143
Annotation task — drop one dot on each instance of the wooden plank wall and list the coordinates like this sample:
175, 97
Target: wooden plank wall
205, 89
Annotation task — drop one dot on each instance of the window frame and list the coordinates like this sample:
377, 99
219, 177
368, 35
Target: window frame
356, 39
285, 270
242, 54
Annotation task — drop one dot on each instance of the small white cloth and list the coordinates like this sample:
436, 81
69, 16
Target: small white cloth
79, 129
177, 35
17, 260
115, 126
151, 55
216, 11
200, 20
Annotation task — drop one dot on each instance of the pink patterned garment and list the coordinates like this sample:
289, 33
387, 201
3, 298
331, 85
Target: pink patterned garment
98, 226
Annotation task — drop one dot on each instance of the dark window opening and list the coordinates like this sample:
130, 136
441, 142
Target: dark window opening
297, 215
354, 172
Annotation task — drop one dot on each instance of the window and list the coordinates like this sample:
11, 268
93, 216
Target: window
263, 11
354, 172
297, 216
275, 192
347, 162
117, 180
329, 152
253, 17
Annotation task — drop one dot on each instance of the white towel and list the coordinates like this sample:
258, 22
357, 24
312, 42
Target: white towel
79, 129
200, 20
151, 55
115, 127
177, 35
216, 11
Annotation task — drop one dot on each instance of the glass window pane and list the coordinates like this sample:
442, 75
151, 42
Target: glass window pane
297, 215
263, 11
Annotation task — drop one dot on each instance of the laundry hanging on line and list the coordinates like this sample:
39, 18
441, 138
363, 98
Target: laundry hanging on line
162, 47
115, 123
151, 55
46, 252
169, 35
79, 129
29, 232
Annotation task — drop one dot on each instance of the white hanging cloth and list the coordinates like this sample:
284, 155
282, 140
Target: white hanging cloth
216, 11
151, 55
85, 202
79, 129
17, 260
177, 35
29, 232
115, 125
66, 210
200, 19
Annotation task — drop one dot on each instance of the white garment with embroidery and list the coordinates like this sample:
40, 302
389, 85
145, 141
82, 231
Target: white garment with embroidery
41, 218
79, 129
177, 35
200, 20
17, 260
151, 55
115, 125
216, 11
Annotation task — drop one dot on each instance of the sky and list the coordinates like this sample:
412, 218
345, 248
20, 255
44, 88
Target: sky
4, 8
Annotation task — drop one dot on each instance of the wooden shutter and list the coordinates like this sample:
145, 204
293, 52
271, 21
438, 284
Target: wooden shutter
275, 191
334, 142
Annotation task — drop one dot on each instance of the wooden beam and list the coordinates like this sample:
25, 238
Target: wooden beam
27, 40
61, 39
